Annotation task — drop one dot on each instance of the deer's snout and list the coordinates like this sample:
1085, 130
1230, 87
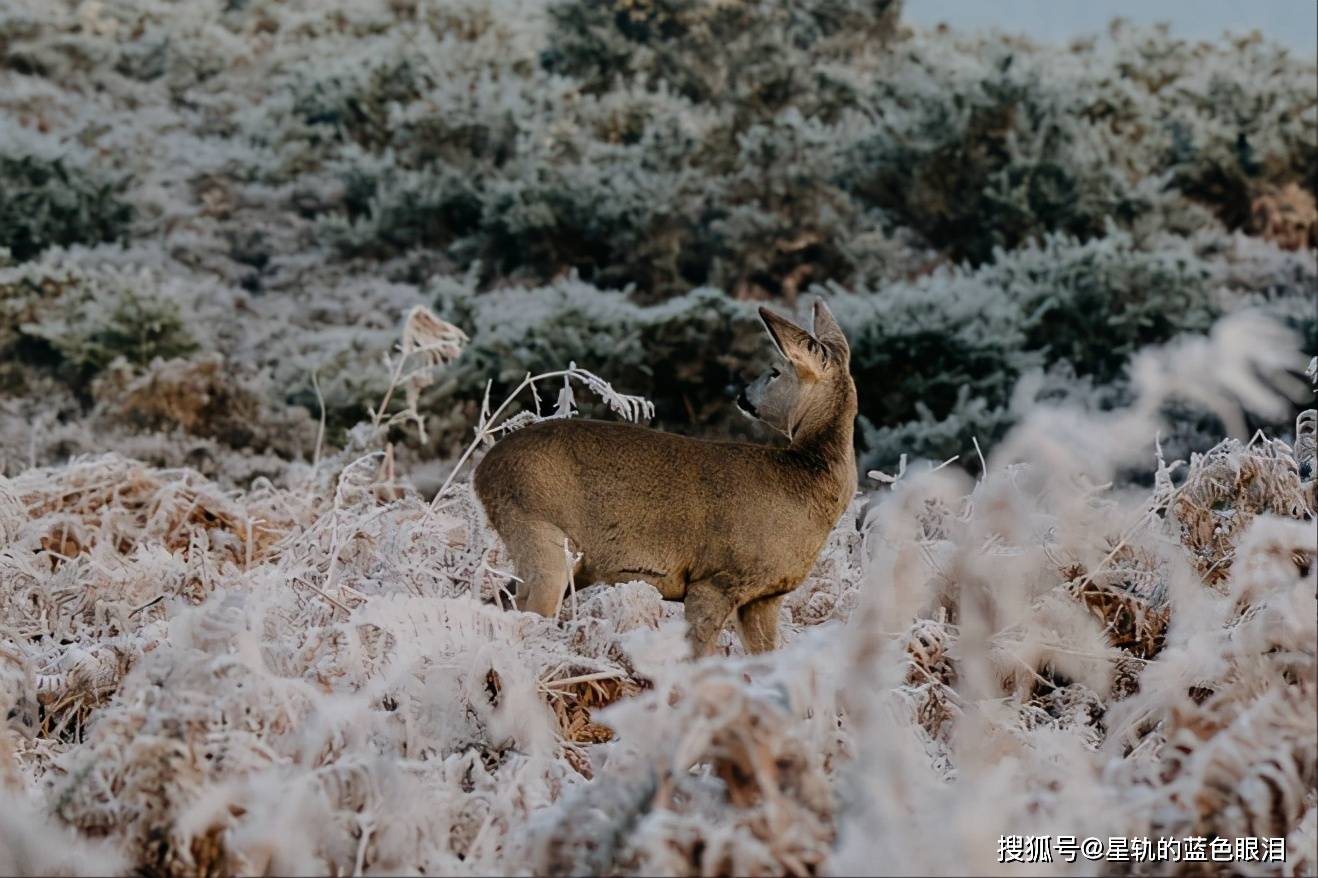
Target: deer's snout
744, 403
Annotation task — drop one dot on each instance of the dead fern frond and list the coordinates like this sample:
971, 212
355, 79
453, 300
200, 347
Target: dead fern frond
1224, 490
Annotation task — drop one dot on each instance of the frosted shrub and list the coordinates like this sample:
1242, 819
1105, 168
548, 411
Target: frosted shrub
397, 211
712, 53
85, 320
985, 166
661, 350
998, 141
1064, 312
613, 140
48, 201
123, 323
937, 360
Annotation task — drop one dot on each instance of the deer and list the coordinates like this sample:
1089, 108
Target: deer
727, 527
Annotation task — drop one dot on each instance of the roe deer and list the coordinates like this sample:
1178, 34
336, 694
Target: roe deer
726, 527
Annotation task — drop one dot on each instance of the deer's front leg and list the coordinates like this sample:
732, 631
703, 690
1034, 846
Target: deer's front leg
709, 605
757, 623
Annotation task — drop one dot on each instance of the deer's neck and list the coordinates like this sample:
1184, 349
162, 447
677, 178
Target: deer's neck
825, 450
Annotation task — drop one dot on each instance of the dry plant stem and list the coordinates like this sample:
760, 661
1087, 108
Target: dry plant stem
378, 414
442, 350
489, 423
367, 828
1135, 528
583, 678
485, 428
155, 600
247, 558
983, 467
320, 429
297, 580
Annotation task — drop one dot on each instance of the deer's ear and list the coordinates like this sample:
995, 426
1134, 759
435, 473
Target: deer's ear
801, 348
829, 333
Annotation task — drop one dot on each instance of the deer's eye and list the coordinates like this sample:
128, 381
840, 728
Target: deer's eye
773, 373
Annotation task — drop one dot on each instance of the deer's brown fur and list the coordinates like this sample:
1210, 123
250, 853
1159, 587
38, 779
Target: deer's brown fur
727, 527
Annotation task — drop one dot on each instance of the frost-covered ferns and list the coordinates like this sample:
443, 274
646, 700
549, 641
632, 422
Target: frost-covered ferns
243, 630
314, 677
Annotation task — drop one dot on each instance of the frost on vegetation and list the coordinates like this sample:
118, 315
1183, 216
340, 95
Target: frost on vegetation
296, 176
54, 196
318, 676
238, 634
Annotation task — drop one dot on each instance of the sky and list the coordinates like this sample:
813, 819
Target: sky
1293, 23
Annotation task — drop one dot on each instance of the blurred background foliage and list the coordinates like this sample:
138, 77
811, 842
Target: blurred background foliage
257, 191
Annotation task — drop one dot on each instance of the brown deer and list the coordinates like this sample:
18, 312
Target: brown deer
726, 527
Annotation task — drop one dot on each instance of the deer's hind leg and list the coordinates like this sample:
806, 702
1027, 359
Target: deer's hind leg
537, 550
757, 623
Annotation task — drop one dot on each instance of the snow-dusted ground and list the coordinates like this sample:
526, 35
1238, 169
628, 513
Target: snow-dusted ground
239, 634
315, 679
